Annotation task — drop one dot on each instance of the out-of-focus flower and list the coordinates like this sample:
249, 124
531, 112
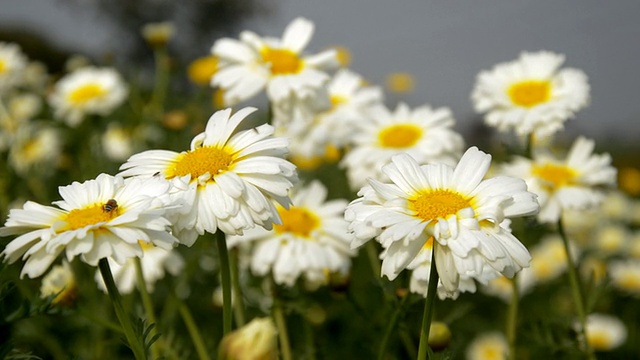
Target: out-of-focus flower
34, 146
331, 155
593, 269
158, 34
400, 82
15, 120
549, 258
105, 217
611, 239
87, 91
571, 183
312, 240
455, 206
616, 206
502, 287
634, 244
426, 134
531, 94
439, 336
36, 77
117, 143
12, 64
201, 70
343, 55
254, 63
625, 275
175, 120
154, 261
488, 346
605, 332
61, 283
226, 180
255, 341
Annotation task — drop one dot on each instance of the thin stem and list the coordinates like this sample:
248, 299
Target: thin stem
428, 307
238, 304
162, 80
512, 318
225, 275
309, 342
201, 349
147, 304
136, 346
278, 317
382, 350
576, 290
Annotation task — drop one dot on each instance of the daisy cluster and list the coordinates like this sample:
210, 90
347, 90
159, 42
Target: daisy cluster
326, 177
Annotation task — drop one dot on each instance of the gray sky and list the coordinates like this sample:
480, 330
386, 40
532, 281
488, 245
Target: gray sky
443, 43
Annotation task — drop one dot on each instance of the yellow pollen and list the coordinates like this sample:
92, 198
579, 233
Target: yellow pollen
85, 93
530, 93
298, 221
555, 175
3, 66
282, 61
400, 136
438, 204
598, 340
337, 100
90, 215
205, 159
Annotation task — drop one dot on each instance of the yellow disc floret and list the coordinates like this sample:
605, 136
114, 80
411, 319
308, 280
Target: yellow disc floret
3, 66
205, 159
530, 93
282, 61
90, 215
85, 93
400, 136
438, 204
554, 175
298, 221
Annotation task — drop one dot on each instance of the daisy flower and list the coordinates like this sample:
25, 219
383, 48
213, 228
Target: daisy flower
154, 261
34, 146
455, 206
88, 90
424, 133
253, 63
549, 258
312, 240
60, 283
605, 332
104, 217
227, 181
625, 275
488, 346
565, 184
12, 64
531, 94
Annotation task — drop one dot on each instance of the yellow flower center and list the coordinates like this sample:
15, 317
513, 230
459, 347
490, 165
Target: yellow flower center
492, 352
205, 159
629, 282
85, 93
298, 221
598, 340
3, 66
282, 61
438, 204
337, 100
201, 70
90, 215
555, 175
399, 136
530, 93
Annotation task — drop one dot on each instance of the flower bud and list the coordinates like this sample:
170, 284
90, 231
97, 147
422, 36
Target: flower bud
439, 336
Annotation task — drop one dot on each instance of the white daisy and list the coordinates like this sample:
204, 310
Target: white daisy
60, 283
226, 180
565, 184
454, 205
88, 90
105, 217
254, 63
154, 262
625, 275
424, 133
12, 65
332, 125
549, 258
117, 142
312, 240
488, 346
531, 94
34, 146
605, 332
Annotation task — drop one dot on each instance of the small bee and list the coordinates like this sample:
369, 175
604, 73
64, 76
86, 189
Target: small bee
110, 205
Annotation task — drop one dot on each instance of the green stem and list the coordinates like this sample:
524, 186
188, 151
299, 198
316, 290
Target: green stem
223, 254
238, 304
428, 307
576, 290
512, 318
201, 349
162, 81
136, 346
309, 342
147, 304
374, 261
278, 317
382, 350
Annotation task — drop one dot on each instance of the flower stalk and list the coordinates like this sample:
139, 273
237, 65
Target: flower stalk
225, 275
428, 307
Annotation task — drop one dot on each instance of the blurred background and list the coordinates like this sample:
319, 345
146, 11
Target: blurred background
441, 46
